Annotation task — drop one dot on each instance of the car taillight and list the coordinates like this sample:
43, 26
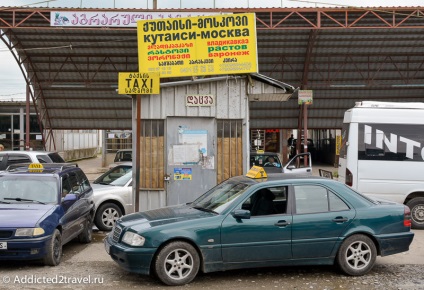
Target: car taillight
348, 177
407, 217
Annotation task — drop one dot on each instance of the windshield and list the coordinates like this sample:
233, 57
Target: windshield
18, 189
121, 181
220, 197
117, 176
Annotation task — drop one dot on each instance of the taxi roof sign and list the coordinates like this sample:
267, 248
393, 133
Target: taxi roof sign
35, 167
256, 172
260, 151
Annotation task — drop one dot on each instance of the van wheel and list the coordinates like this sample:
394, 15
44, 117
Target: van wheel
416, 205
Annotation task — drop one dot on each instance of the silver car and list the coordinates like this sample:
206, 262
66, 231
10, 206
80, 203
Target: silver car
113, 196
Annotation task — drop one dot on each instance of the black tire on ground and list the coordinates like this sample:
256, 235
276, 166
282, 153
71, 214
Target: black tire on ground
106, 216
416, 205
54, 250
357, 255
177, 263
87, 233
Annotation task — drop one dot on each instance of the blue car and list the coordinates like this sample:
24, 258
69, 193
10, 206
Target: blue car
249, 222
42, 207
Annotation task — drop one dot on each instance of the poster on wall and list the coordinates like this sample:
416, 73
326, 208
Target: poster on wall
185, 154
183, 174
198, 137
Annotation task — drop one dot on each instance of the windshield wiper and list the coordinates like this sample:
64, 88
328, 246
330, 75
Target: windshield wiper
1, 201
23, 199
205, 209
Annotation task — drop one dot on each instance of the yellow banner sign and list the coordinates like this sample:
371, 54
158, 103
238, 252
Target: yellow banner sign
198, 46
138, 83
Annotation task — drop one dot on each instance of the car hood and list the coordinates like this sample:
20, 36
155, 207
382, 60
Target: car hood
162, 216
22, 215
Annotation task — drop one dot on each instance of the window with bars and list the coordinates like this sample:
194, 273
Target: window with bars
229, 149
152, 159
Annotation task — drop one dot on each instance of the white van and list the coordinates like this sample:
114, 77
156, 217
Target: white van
382, 153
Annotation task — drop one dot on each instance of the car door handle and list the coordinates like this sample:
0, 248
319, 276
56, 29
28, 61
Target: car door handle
340, 219
308, 170
281, 224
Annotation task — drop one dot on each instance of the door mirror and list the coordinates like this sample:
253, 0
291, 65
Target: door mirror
70, 197
241, 214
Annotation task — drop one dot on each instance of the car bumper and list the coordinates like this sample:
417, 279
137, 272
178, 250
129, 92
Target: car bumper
136, 260
394, 243
25, 249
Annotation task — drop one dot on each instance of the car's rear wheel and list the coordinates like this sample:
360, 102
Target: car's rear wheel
357, 255
107, 215
416, 205
87, 233
177, 263
54, 249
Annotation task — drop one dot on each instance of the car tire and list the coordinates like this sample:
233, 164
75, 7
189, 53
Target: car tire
357, 255
177, 263
54, 249
416, 205
106, 216
87, 233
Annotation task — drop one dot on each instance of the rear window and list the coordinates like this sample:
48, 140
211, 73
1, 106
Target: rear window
55, 158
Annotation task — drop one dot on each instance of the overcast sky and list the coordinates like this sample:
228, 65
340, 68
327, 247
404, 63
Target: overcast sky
12, 84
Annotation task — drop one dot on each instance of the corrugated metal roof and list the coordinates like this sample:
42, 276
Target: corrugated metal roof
343, 55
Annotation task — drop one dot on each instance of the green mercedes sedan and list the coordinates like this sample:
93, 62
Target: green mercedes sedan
248, 222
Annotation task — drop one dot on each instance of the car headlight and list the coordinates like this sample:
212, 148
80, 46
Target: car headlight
29, 232
133, 239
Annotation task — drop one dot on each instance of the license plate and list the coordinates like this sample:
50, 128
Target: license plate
3, 245
107, 246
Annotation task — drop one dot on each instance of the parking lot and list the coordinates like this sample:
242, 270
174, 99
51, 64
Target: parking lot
87, 266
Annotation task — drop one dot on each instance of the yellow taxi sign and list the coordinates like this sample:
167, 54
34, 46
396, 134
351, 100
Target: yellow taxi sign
256, 172
138, 83
260, 151
35, 167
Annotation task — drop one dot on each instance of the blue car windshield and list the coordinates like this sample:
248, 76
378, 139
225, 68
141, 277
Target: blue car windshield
220, 197
21, 189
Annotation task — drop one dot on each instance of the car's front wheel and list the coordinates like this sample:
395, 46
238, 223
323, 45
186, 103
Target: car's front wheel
416, 205
177, 263
357, 255
54, 249
106, 216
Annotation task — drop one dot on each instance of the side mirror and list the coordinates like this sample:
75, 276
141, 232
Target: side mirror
70, 197
241, 214
291, 167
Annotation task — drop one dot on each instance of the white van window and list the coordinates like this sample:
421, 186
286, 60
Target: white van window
391, 142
